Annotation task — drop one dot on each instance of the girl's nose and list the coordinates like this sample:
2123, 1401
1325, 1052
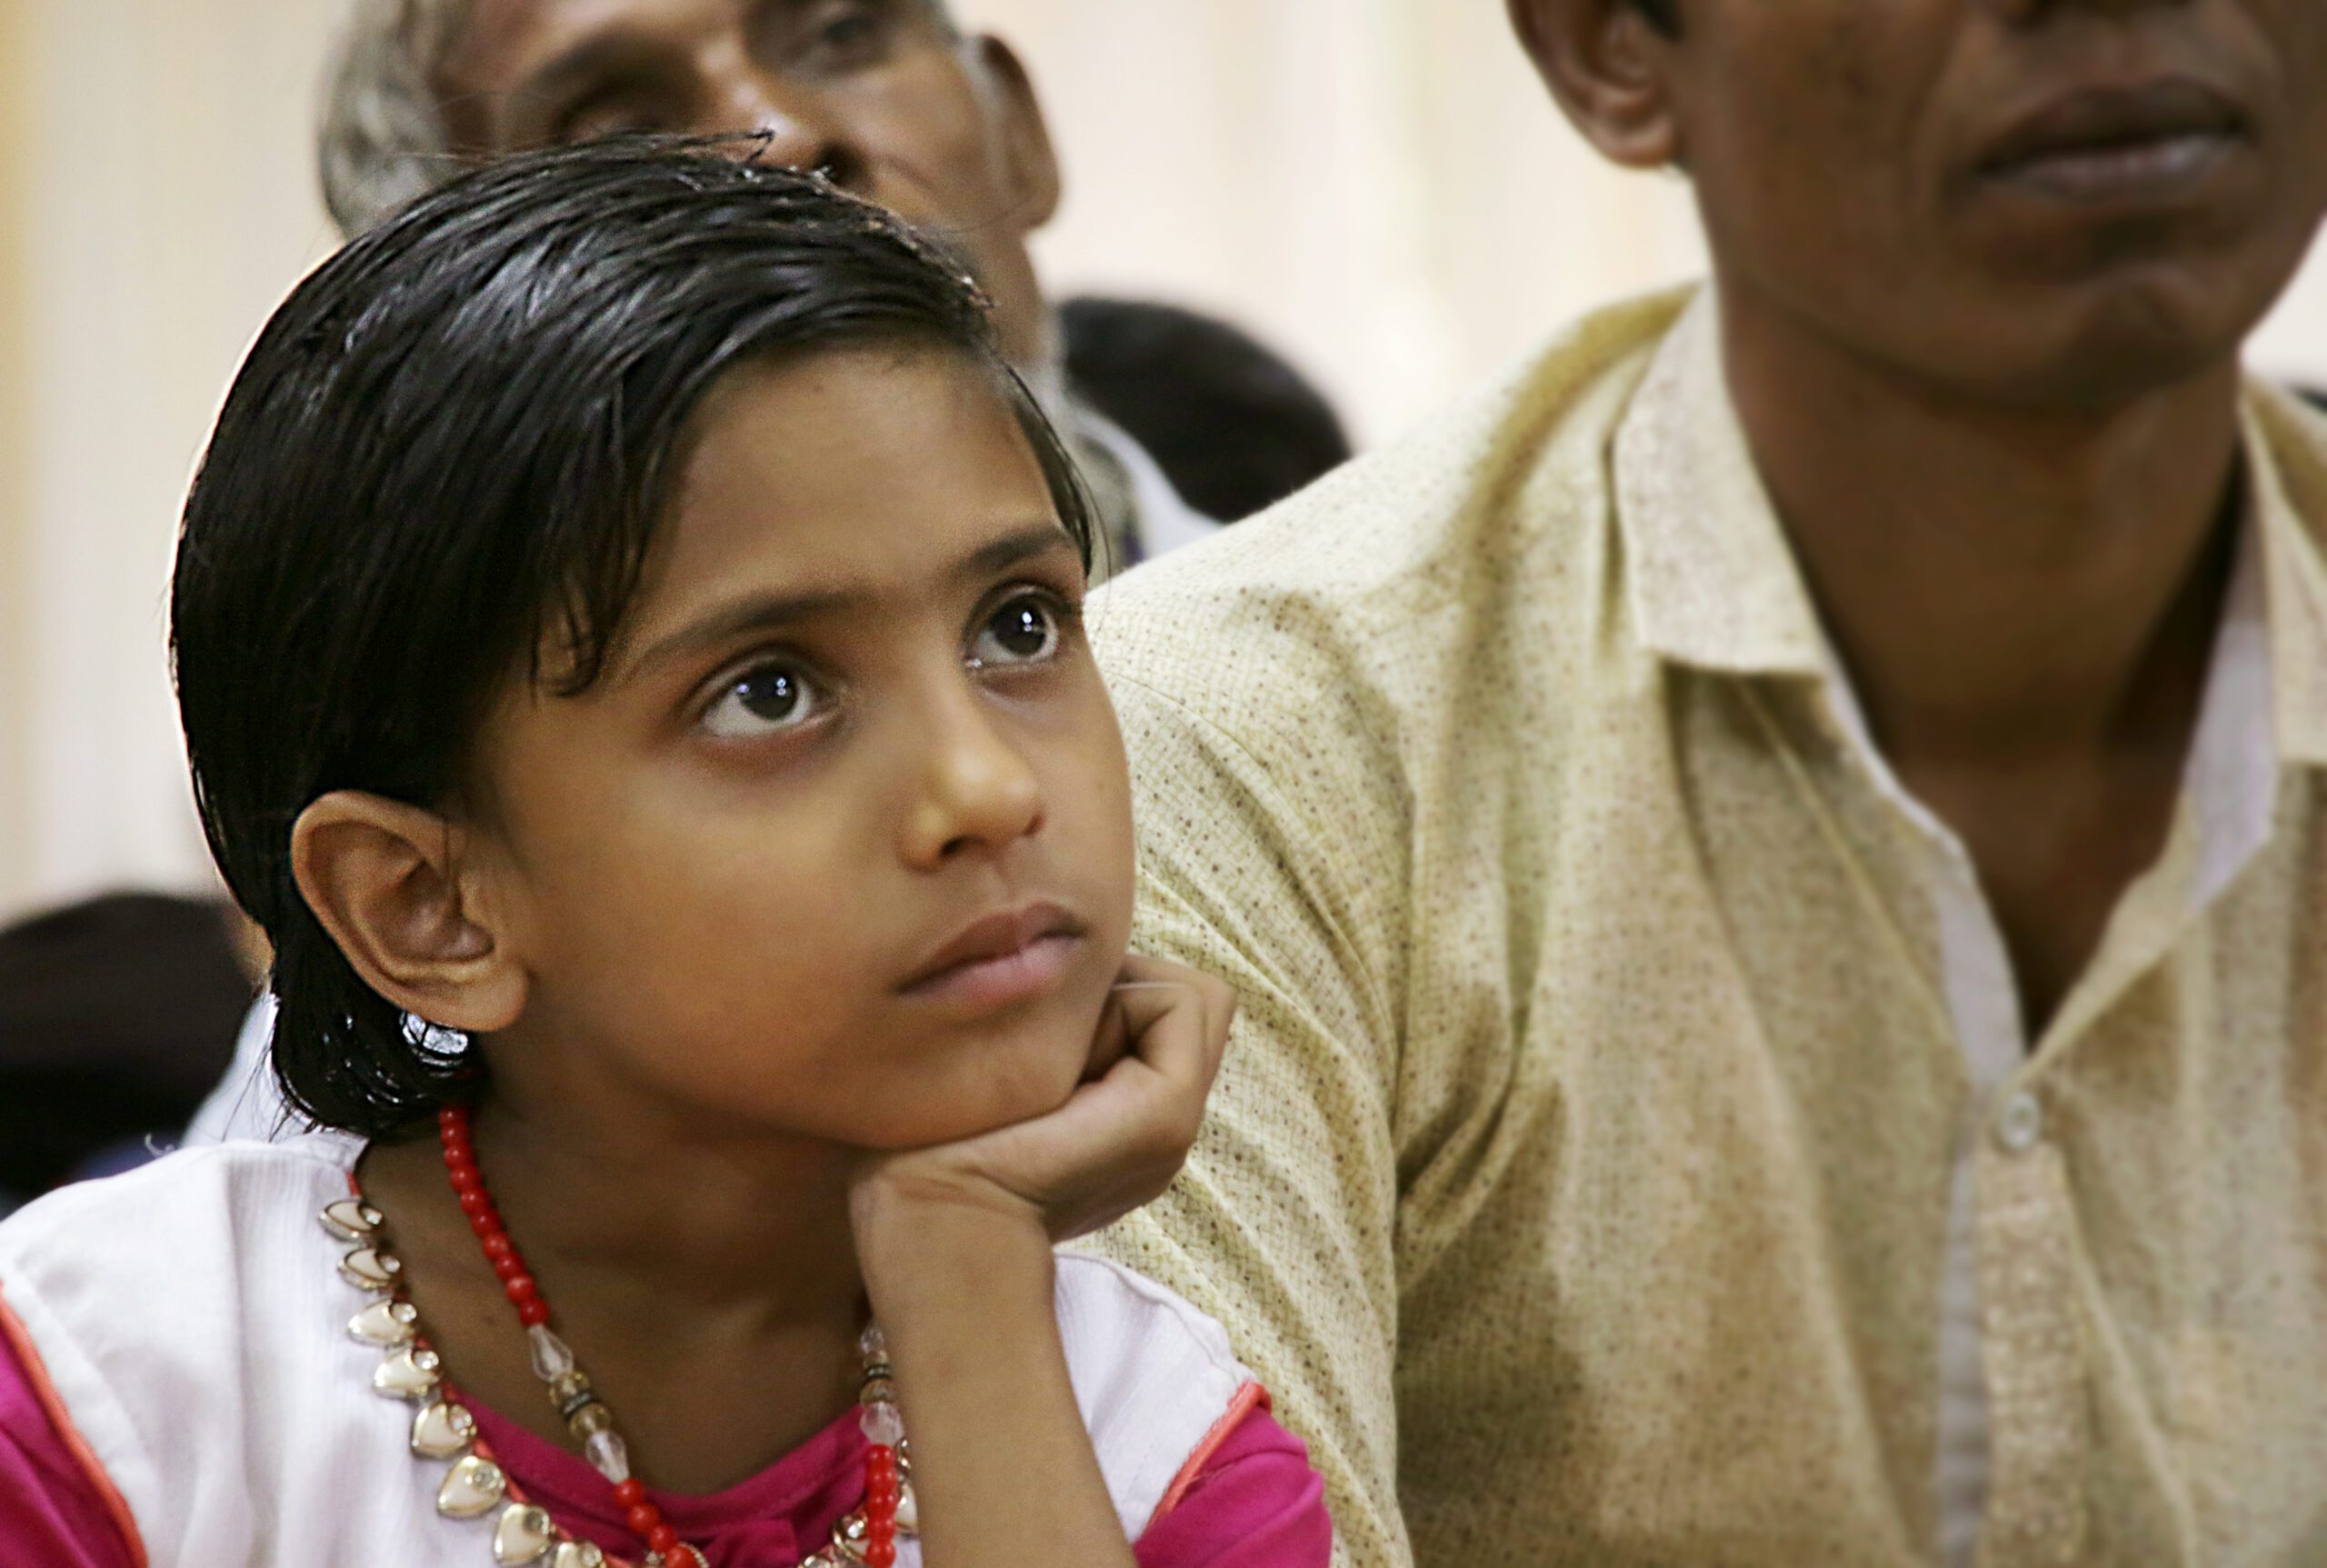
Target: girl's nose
977, 795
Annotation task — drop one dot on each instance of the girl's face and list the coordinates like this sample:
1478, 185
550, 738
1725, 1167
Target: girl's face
840, 845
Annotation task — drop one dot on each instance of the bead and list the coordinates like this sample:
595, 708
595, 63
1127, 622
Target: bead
630, 1494
569, 1391
644, 1519
370, 1269
874, 1344
485, 1224
877, 1531
443, 1431
578, 1554
662, 1539
608, 1455
880, 1461
524, 1535
552, 1358
386, 1324
497, 1246
590, 1420
409, 1373
474, 1488
881, 1424
352, 1220
533, 1312
474, 1202
520, 1289
880, 1555
879, 1390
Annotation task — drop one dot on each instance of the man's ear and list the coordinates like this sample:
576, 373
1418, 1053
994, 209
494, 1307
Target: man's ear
1030, 159
1607, 64
387, 882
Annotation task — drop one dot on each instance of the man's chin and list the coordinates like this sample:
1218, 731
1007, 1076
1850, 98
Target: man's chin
2116, 358
2085, 351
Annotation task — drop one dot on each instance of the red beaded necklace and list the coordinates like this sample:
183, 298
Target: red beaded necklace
870, 1538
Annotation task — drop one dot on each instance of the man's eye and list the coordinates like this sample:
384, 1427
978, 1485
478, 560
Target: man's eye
610, 119
767, 699
850, 32
1025, 630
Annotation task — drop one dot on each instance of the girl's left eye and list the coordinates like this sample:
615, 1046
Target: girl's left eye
768, 699
1024, 630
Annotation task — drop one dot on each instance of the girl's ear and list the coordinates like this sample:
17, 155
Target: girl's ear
1030, 160
1609, 66
386, 880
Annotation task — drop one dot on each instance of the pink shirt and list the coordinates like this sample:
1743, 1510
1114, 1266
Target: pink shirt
1256, 1504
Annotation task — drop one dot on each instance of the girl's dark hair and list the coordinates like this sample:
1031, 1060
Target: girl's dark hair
449, 449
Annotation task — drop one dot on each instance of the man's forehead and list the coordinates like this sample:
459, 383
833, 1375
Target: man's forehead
502, 35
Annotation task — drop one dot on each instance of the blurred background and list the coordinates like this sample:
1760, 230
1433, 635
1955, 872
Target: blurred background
1377, 188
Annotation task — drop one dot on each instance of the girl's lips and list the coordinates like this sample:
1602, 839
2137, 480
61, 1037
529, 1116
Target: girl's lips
1004, 958
1004, 980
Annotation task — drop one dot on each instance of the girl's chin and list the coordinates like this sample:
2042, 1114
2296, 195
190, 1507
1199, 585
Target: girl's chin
958, 1118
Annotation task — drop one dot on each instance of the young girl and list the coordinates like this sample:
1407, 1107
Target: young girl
627, 620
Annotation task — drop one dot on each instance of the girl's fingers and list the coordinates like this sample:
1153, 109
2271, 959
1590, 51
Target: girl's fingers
1177, 1022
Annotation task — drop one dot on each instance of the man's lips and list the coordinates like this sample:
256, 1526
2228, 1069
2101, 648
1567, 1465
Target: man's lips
2117, 142
1007, 956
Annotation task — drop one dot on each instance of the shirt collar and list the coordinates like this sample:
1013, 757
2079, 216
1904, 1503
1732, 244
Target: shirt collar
1712, 579
1713, 584
2286, 448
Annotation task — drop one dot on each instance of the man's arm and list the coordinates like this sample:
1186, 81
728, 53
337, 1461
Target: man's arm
1284, 1223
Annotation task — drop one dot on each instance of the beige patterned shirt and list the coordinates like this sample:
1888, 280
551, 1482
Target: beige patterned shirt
1579, 1178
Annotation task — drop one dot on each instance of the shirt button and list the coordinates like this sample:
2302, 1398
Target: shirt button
2020, 1125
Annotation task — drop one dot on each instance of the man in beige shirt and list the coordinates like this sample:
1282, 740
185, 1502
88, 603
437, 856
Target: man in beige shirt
1777, 861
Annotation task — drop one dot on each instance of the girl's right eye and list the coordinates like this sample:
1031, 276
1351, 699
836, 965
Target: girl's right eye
766, 699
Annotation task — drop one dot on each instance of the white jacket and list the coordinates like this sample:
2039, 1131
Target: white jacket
192, 1322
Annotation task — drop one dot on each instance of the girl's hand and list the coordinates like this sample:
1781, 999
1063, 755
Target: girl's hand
1116, 1143
955, 1245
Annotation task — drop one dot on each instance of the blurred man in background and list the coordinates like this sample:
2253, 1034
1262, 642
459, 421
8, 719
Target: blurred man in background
889, 97
116, 1015
1776, 862
1233, 426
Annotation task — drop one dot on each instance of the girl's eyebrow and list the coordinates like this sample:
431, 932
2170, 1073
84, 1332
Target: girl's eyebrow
762, 612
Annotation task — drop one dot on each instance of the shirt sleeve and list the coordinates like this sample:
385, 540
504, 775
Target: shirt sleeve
51, 1510
1282, 1224
1256, 1504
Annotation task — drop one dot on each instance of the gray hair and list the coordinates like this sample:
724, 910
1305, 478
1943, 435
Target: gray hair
385, 140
